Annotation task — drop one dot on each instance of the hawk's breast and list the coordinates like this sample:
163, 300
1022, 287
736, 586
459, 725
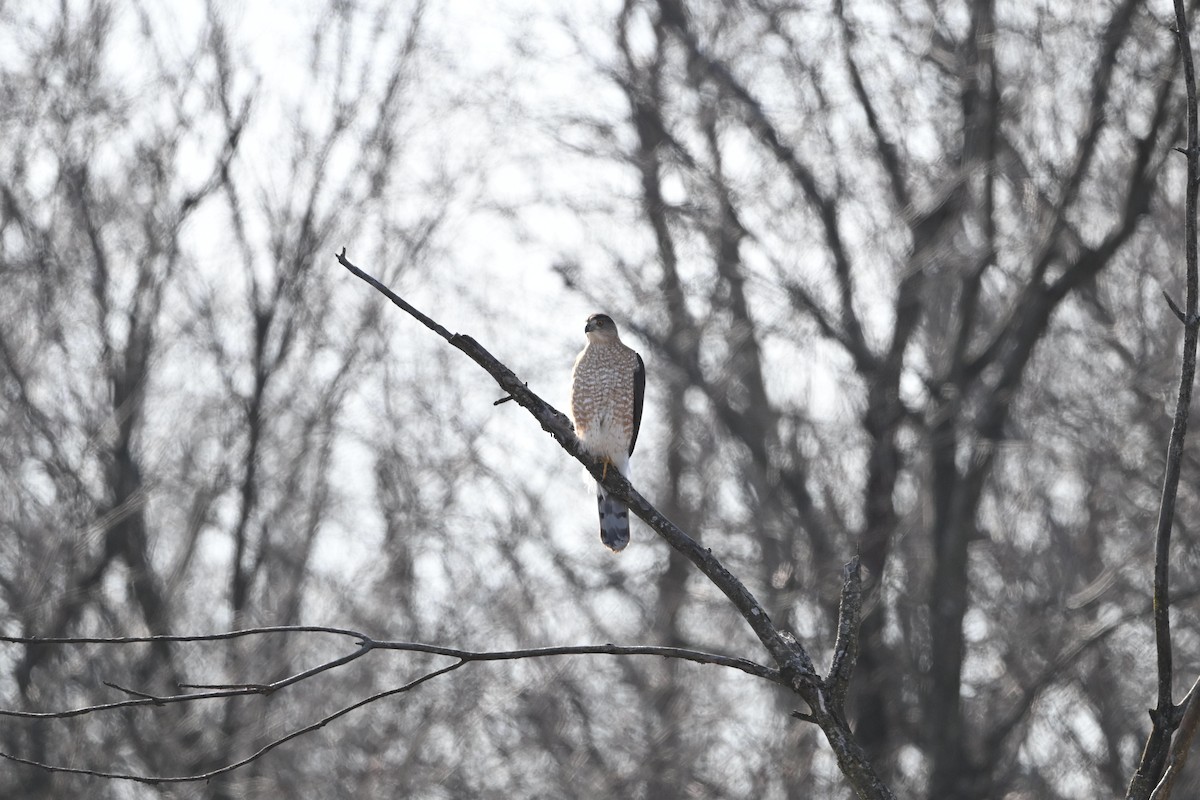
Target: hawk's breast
602, 398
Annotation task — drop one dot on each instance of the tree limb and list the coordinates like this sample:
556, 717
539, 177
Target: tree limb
365, 645
795, 666
209, 775
845, 647
1166, 716
790, 655
1181, 745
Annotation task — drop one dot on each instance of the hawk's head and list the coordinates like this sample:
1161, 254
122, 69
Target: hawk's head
601, 328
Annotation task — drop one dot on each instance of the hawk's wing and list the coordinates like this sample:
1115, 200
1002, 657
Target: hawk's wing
639, 393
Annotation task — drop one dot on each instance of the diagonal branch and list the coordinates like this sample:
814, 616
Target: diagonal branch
795, 667
889, 159
788, 654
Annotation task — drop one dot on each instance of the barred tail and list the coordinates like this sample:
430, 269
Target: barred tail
614, 520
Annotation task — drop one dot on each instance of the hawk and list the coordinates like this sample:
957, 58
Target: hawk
607, 387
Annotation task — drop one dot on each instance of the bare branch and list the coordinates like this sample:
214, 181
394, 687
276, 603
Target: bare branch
132, 692
181, 638
205, 776
884, 147
1166, 716
1004, 724
365, 645
390, 295
684, 654
143, 699
1182, 744
845, 648
761, 125
802, 299
1174, 308
790, 655
795, 666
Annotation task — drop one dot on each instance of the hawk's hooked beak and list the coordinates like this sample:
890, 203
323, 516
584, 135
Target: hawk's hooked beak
590, 326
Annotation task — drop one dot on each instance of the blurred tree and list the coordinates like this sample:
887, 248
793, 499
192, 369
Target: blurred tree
175, 406
909, 307
896, 271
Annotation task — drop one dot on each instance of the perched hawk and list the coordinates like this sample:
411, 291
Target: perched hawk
607, 386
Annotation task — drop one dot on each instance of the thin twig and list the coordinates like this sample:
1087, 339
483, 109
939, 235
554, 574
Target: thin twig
239, 690
390, 295
684, 654
198, 637
366, 644
205, 776
1174, 308
133, 692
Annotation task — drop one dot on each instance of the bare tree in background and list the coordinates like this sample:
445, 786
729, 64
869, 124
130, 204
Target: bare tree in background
173, 406
898, 274
963, 236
